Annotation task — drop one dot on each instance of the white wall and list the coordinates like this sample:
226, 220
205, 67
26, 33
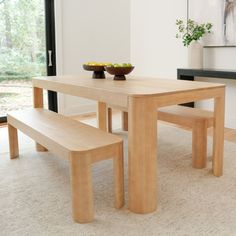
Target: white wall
154, 49
89, 31
156, 52
143, 33
222, 58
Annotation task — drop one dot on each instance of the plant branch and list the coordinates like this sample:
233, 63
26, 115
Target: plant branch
192, 31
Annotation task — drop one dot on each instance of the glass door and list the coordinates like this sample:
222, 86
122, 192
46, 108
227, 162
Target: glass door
25, 51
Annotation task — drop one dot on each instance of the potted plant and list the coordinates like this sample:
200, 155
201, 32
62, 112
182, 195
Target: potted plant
191, 35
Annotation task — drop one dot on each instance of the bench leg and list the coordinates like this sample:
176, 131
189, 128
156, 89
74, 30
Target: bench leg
199, 145
109, 119
82, 194
13, 142
124, 120
118, 166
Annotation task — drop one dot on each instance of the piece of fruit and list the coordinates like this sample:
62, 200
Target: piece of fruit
122, 65
108, 64
116, 65
93, 63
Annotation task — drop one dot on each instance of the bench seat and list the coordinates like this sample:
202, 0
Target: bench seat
79, 143
185, 116
196, 119
199, 121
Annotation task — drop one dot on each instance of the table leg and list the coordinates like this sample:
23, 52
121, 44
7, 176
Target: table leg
142, 123
109, 119
38, 103
102, 116
218, 138
124, 120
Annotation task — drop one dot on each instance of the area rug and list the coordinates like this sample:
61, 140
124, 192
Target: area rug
35, 194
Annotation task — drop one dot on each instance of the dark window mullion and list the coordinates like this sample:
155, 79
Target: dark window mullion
51, 46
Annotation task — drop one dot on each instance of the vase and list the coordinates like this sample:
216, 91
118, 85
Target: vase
195, 55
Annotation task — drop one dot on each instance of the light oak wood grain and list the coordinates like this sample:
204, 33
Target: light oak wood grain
218, 137
196, 119
102, 116
38, 97
185, 116
229, 134
124, 120
199, 144
109, 119
142, 155
118, 166
79, 143
117, 92
82, 189
13, 142
38, 103
160, 93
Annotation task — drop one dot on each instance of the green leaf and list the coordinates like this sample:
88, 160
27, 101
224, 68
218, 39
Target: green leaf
192, 31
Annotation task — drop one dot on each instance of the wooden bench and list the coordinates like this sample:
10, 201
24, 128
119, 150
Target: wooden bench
81, 144
196, 119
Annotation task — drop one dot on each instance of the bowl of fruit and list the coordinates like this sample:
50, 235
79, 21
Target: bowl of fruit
98, 69
119, 70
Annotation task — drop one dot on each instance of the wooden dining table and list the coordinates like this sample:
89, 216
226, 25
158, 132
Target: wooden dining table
141, 97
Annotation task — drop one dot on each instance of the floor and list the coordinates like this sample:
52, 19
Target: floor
16, 95
36, 201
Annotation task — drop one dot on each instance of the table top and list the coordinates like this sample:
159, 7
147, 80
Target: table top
133, 86
108, 88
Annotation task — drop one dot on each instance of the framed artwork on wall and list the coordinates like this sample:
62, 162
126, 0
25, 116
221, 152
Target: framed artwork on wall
222, 14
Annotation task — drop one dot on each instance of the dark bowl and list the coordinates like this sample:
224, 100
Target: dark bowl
119, 72
98, 71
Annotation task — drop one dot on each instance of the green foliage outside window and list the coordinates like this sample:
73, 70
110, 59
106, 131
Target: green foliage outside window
22, 39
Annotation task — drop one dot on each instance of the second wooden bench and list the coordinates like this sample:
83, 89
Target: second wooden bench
196, 119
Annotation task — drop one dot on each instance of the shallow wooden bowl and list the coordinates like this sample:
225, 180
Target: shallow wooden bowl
119, 72
98, 71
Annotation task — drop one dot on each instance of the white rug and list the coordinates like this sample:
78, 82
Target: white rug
35, 194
